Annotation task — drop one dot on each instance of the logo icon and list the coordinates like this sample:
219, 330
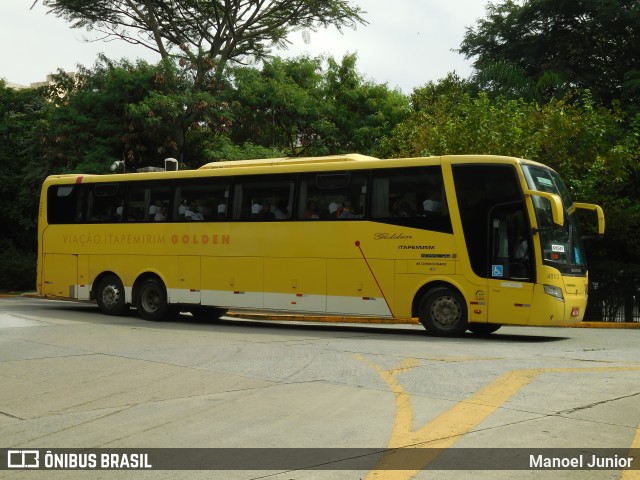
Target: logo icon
23, 459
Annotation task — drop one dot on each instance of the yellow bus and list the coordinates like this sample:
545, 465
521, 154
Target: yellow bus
454, 242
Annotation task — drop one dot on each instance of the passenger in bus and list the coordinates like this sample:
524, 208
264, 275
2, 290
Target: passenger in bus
182, 209
222, 210
279, 211
161, 214
256, 208
347, 211
401, 209
431, 207
312, 211
155, 208
265, 212
335, 209
192, 213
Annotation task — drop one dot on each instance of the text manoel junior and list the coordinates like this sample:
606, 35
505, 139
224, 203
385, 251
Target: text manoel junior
579, 461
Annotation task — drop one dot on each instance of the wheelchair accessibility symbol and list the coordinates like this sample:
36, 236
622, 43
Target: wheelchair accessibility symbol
497, 271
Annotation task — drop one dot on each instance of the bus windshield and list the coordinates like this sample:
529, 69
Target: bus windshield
562, 248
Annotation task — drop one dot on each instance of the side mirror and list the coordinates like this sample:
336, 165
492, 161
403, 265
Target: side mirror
557, 210
593, 208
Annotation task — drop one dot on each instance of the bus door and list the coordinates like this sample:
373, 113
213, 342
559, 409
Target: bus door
510, 267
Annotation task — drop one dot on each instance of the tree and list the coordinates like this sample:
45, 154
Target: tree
118, 110
23, 116
550, 47
362, 112
279, 106
89, 127
589, 145
312, 106
205, 35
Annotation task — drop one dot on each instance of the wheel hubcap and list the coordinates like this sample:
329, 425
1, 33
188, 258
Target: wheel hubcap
110, 296
446, 311
151, 300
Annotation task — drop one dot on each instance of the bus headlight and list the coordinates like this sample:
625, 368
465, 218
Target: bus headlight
554, 292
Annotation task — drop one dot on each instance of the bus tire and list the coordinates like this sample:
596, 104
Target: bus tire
151, 300
443, 312
110, 295
483, 328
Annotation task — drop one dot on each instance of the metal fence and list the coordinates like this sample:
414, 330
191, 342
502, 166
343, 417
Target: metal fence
614, 293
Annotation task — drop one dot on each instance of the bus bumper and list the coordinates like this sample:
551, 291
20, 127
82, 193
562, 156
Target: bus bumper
550, 310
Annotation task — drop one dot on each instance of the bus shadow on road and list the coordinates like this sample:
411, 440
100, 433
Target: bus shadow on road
408, 331
293, 327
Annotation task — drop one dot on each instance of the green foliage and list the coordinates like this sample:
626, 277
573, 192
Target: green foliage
205, 35
544, 48
590, 146
22, 116
361, 112
450, 118
223, 149
301, 107
97, 119
17, 268
279, 106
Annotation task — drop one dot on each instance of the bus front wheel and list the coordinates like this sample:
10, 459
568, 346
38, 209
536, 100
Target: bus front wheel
110, 295
151, 300
443, 312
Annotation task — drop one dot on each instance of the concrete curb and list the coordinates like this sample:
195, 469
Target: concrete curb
606, 325
283, 317
319, 318
391, 321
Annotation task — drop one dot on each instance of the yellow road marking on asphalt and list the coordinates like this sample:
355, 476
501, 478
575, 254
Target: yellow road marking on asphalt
449, 427
633, 474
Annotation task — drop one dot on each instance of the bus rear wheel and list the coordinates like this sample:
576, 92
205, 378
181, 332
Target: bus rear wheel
443, 312
110, 295
151, 300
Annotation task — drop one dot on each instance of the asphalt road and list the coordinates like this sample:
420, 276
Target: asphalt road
73, 378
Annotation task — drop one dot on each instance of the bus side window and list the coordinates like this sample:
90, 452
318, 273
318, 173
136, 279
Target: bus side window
64, 204
333, 196
104, 203
148, 202
412, 197
264, 197
201, 200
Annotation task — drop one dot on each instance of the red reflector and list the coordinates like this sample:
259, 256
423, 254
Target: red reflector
575, 311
